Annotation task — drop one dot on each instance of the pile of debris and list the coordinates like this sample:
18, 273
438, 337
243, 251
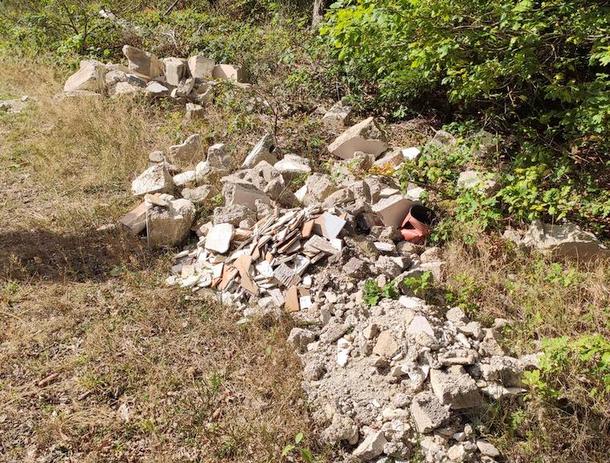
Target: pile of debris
190, 80
383, 377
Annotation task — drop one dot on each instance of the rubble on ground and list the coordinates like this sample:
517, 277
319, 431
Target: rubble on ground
189, 81
284, 239
14, 106
560, 240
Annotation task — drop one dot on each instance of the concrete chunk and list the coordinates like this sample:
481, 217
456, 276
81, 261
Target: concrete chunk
364, 136
201, 67
219, 238
428, 413
229, 72
170, 226
89, 78
155, 179
175, 70
393, 210
135, 220
143, 63
371, 446
455, 388
186, 152
263, 151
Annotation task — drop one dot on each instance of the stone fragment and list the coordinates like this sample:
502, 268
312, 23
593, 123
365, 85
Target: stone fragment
292, 165
155, 179
332, 332
201, 67
229, 72
566, 240
263, 151
186, 152
300, 338
175, 70
393, 210
371, 446
487, 449
364, 136
392, 158
124, 88
184, 88
386, 345
456, 315
338, 116
218, 157
170, 226
135, 220
456, 453
355, 268
455, 388
244, 194
219, 238
185, 179
233, 214
197, 195
318, 188
89, 78
504, 370
338, 198
143, 63
156, 89
427, 412
420, 324
341, 429
388, 266
330, 225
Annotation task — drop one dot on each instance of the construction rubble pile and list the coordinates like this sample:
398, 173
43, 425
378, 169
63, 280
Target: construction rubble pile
387, 380
188, 80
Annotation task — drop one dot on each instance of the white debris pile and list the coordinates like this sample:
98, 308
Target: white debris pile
388, 377
383, 380
188, 80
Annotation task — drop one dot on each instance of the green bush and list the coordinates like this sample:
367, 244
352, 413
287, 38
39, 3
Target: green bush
543, 61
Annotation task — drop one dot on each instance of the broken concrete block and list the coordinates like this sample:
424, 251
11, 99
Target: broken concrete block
135, 220
364, 136
219, 238
330, 225
175, 70
428, 413
229, 72
185, 179
342, 428
292, 165
233, 214
393, 210
143, 63
300, 338
124, 88
89, 78
170, 226
337, 117
386, 345
187, 152
218, 156
156, 89
566, 240
504, 370
318, 188
184, 88
487, 449
371, 446
393, 159
197, 195
455, 388
201, 67
155, 179
263, 151
244, 194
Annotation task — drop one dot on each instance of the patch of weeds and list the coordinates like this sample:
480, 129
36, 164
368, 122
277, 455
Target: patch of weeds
586, 358
419, 285
297, 448
373, 293
464, 293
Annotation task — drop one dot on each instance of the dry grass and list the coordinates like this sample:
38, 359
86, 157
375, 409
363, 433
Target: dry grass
98, 360
543, 299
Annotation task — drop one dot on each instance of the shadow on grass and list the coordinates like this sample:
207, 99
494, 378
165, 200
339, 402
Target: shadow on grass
91, 255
